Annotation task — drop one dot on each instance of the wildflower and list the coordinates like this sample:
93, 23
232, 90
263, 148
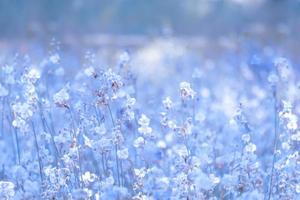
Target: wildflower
140, 196
87, 141
55, 58
114, 80
144, 120
7, 190
144, 128
90, 72
140, 173
33, 75
181, 150
161, 144
186, 91
139, 142
296, 136
250, 148
283, 68
286, 146
167, 103
297, 188
130, 101
117, 136
88, 177
123, 154
246, 138
61, 98
186, 128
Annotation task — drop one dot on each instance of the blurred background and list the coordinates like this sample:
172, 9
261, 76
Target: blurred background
95, 21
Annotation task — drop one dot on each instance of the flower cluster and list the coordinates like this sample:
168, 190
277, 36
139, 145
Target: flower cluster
111, 133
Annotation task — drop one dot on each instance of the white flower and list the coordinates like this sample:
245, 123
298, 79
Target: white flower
140, 173
23, 110
283, 68
181, 150
297, 188
285, 146
7, 189
214, 179
246, 138
145, 130
130, 101
144, 120
161, 144
250, 148
90, 71
55, 58
88, 177
186, 91
123, 154
62, 97
33, 75
139, 142
292, 123
167, 103
87, 141
296, 136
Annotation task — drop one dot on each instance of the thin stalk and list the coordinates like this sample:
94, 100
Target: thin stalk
117, 162
103, 166
10, 119
45, 126
17, 145
2, 118
38, 151
77, 148
116, 146
275, 142
122, 178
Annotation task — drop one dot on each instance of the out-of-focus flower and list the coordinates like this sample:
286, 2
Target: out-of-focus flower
62, 97
186, 91
139, 142
167, 103
7, 190
55, 58
88, 177
123, 154
250, 148
90, 72
33, 75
